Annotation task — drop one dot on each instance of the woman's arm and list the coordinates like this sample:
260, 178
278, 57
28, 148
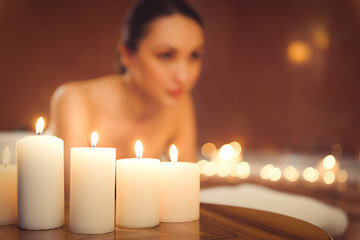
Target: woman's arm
69, 113
186, 133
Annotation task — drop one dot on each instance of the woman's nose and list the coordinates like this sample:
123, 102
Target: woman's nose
181, 73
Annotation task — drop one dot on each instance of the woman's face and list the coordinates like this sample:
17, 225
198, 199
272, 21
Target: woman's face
168, 61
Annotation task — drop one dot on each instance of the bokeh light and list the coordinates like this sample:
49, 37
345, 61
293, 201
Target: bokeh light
223, 169
337, 150
265, 172
208, 150
329, 162
202, 164
210, 169
243, 170
311, 174
291, 173
342, 176
237, 148
226, 152
329, 177
299, 52
275, 174
233, 170
321, 38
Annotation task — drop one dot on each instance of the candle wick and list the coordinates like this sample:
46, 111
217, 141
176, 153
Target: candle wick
38, 133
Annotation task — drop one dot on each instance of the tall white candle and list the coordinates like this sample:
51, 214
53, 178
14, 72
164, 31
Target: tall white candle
137, 191
179, 190
40, 162
92, 189
8, 190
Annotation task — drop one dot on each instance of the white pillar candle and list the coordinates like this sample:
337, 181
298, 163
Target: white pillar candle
40, 162
137, 191
179, 190
92, 189
8, 190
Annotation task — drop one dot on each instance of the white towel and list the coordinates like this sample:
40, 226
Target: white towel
331, 219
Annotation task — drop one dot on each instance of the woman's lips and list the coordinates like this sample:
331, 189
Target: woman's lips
176, 92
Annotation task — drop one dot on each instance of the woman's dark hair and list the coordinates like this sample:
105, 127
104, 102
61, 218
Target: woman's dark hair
145, 11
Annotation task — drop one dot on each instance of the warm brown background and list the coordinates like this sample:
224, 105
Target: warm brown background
249, 90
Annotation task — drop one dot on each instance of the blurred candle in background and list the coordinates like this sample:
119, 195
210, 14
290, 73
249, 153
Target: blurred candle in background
40, 162
92, 189
8, 190
137, 191
179, 190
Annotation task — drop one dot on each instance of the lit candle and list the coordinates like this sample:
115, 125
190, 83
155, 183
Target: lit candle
137, 191
92, 189
179, 190
8, 190
40, 162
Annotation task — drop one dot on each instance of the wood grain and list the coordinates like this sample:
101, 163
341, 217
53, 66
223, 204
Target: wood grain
216, 222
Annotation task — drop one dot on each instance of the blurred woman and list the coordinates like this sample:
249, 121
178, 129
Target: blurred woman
161, 56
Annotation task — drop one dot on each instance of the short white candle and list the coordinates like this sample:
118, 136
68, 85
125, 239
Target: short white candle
92, 189
179, 190
8, 190
40, 162
137, 191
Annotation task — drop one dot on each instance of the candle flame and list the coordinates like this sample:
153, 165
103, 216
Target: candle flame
173, 154
6, 156
139, 149
94, 139
40, 126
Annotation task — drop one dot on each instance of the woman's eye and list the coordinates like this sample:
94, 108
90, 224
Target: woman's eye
165, 56
195, 55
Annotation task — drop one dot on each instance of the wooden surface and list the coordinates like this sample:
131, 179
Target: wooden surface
216, 222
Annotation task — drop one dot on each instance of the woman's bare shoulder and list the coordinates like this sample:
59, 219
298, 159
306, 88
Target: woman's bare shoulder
80, 92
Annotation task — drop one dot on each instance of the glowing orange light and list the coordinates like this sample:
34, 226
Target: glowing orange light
321, 38
299, 52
